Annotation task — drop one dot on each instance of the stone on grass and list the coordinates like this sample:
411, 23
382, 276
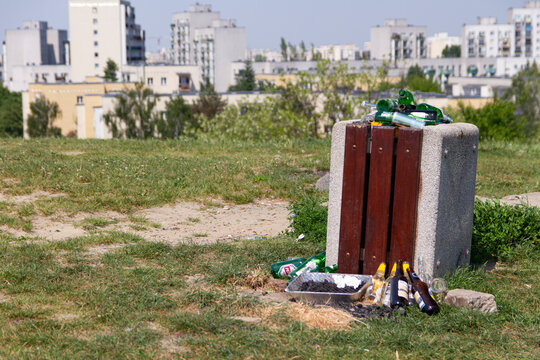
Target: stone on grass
475, 300
323, 183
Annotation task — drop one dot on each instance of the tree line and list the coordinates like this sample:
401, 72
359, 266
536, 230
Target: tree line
308, 106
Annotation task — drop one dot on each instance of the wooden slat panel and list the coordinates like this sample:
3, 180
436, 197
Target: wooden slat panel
406, 181
352, 202
378, 202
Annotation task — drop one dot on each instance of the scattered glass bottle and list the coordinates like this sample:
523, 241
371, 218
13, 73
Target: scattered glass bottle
425, 301
283, 269
313, 264
399, 288
374, 291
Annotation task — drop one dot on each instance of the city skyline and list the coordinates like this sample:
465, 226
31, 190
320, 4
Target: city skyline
341, 22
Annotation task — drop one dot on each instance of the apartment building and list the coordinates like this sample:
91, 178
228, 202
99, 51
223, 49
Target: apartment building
526, 29
31, 50
487, 39
438, 42
200, 37
347, 52
396, 40
101, 30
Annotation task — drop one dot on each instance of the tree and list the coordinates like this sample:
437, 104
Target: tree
260, 58
245, 80
133, 116
111, 69
303, 51
177, 116
525, 92
43, 113
11, 123
315, 55
293, 52
452, 51
283, 46
209, 103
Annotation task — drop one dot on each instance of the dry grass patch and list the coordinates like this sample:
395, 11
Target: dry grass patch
318, 317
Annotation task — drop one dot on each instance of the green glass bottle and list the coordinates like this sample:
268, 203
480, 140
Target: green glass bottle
330, 269
283, 269
427, 107
313, 264
387, 105
398, 118
406, 98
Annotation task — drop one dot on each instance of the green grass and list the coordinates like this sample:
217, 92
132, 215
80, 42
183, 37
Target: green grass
128, 175
66, 300
506, 168
125, 303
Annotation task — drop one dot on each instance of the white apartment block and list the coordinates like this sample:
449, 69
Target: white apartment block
33, 45
396, 41
438, 42
199, 37
263, 55
101, 30
526, 27
164, 79
487, 39
348, 52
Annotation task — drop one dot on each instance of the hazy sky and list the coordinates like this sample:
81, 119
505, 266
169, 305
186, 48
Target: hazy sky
266, 21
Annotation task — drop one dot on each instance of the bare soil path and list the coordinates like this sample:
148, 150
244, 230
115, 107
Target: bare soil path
172, 224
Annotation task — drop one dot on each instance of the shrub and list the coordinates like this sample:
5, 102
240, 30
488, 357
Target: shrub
256, 121
499, 229
495, 121
309, 217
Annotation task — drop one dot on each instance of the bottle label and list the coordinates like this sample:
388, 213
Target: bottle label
285, 270
307, 268
419, 301
403, 289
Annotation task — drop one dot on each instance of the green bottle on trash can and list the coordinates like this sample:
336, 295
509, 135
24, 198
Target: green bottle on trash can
313, 264
406, 98
397, 118
283, 269
387, 105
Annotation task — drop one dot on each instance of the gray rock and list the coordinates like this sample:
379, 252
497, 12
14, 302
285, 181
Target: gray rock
324, 182
463, 298
530, 199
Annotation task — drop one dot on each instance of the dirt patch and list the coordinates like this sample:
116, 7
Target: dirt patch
173, 224
72, 153
36, 195
4, 298
103, 249
65, 317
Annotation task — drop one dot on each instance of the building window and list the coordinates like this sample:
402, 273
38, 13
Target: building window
163, 81
96, 66
94, 10
95, 43
96, 55
94, 21
79, 100
95, 32
150, 81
